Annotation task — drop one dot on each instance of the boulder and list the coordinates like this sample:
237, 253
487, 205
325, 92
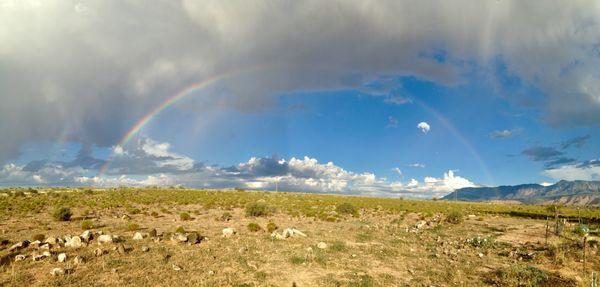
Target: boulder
176, 268
179, 237
121, 249
62, 257
105, 238
322, 245
74, 242
228, 232
45, 246
35, 244
145, 248
288, 232
20, 257
57, 272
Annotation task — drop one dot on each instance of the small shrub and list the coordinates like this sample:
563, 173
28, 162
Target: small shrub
257, 209
154, 214
527, 276
347, 208
271, 226
184, 216
180, 229
337, 246
226, 216
165, 211
484, 242
454, 217
19, 194
39, 237
254, 227
87, 224
132, 226
297, 260
88, 192
63, 214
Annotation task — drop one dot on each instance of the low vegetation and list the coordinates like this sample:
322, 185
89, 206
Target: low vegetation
63, 214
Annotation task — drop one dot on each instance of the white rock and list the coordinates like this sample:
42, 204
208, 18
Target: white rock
105, 238
227, 232
57, 272
176, 268
321, 245
288, 232
74, 242
18, 245
20, 257
420, 224
480, 255
178, 237
87, 236
62, 257
145, 248
298, 232
36, 257
45, 246
35, 244
46, 254
138, 236
98, 252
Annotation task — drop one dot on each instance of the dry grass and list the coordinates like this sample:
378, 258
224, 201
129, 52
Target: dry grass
375, 247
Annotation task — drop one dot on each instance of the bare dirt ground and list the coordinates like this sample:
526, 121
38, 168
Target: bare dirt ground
378, 248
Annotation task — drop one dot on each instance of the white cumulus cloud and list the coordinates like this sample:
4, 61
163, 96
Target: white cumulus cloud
424, 127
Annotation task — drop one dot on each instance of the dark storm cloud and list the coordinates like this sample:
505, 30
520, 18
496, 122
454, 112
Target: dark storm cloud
87, 71
541, 153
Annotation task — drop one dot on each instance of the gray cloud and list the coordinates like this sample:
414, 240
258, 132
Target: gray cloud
541, 153
86, 71
577, 142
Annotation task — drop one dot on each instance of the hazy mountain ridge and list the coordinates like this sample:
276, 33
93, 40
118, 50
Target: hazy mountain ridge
577, 192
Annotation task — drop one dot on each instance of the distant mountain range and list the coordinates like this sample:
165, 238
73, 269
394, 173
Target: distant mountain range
577, 192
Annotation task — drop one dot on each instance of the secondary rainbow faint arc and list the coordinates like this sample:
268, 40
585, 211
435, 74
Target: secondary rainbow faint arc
169, 102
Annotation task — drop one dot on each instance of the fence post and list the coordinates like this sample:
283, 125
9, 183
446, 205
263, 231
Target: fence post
584, 255
556, 230
547, 229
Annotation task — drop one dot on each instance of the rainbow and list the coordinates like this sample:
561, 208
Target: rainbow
139, 125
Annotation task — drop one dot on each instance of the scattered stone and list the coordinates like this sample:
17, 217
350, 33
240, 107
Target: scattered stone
156, 239
45, 246
74, 242
480, 255
125, 217
298, 232
243, 249
62, 257
114, 270
176, 268
78, 260
87, 236
46, 254
210, 272
309, 249
420, 224
57, 272
19, 245
322, 245
228, 232
288, 232
121, 249
35, 244
20, 257
471, 216
178, 237
145, 249
105, 238
36, 257
138, 236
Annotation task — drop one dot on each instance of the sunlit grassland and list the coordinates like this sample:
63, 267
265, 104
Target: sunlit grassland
320, 206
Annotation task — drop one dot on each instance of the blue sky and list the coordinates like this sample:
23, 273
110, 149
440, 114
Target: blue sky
331, 107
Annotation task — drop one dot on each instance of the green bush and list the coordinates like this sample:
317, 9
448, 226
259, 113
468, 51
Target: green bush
519, 275
454, 217
271, 226
257, 209
87, 224
180, 229
184, 216
254, 227
134, 211
63, 214
347, 208
132, 226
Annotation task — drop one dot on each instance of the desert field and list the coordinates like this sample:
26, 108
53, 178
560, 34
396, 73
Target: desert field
183, 237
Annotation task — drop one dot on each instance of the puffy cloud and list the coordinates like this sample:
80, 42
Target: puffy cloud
66, 75
502, 134
439, 186
574, 172
417, 165
424, 127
